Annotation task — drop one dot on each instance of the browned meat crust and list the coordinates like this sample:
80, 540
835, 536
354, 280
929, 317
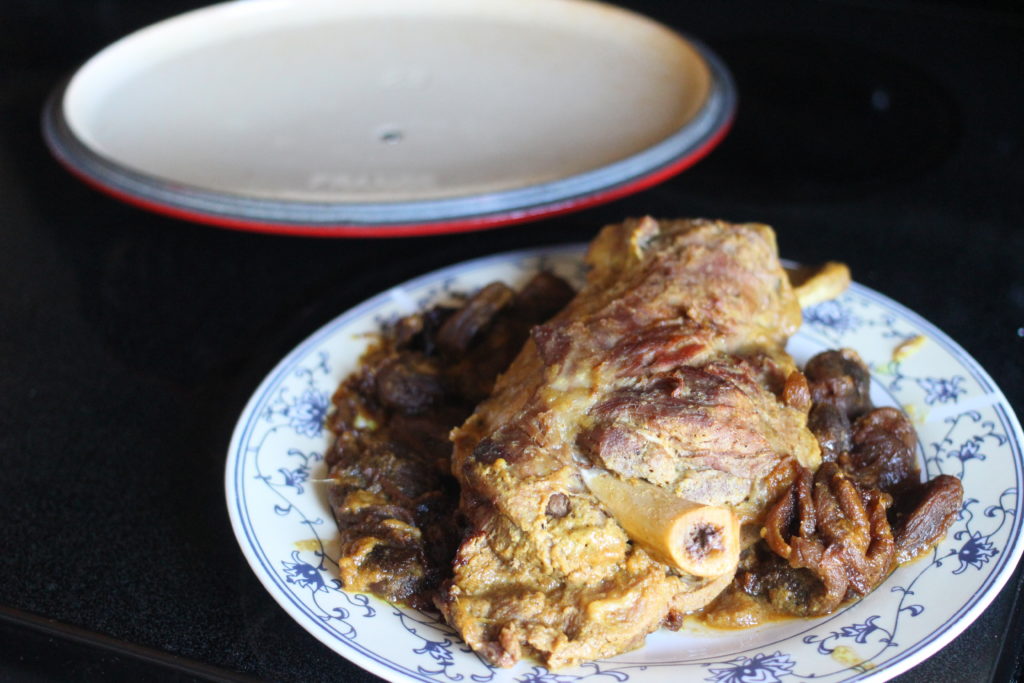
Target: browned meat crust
668, 367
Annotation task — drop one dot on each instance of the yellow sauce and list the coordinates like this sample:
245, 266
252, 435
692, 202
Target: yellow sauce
849, 657
908, 347
733, 609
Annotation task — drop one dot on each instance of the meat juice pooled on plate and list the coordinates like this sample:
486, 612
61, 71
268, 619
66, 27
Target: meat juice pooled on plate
621, 473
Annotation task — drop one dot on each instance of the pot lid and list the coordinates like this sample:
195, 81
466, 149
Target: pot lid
389, 117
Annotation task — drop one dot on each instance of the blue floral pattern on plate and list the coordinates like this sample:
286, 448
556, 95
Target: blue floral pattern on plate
278, 507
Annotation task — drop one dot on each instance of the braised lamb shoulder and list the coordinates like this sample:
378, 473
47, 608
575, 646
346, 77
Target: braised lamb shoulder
666, 372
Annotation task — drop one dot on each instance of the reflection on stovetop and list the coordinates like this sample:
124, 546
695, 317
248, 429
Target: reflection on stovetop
832, 120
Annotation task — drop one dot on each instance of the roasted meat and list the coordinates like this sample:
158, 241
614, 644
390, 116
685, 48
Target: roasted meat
392, 493
667, 371
651, 452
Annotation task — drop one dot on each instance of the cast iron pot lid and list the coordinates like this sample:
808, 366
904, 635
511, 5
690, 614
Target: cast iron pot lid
389, 117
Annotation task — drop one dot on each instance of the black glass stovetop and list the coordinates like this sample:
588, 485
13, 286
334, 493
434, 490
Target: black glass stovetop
888, 135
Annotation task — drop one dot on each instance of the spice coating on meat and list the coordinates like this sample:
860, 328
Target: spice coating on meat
392, 493
669, 368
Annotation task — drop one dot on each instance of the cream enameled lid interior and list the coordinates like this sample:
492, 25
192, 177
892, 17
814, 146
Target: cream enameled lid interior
385, 100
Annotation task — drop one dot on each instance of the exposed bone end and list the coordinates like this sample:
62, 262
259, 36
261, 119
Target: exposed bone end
814, 284
699, 540
704, 540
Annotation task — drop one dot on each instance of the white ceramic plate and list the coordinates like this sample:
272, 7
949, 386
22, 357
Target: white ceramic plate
966, 428
389, 117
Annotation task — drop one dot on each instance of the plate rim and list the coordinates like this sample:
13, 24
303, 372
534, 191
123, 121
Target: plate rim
671, 155
901, 661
